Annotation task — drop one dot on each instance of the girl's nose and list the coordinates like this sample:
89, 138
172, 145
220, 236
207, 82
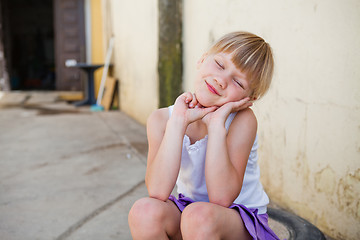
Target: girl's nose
221, 82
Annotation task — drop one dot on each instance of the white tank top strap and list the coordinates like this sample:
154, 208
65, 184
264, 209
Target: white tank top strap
170, 110
229, 120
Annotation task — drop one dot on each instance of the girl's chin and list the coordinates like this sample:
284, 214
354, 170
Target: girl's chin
205, 103
205, 100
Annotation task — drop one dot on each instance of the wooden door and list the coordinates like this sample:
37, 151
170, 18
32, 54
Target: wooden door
69, 43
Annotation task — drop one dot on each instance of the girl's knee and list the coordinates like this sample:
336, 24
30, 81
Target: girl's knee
199, 219
145, 218
146, 209
199, 212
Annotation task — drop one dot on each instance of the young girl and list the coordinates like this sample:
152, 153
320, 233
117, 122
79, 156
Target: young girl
206, 144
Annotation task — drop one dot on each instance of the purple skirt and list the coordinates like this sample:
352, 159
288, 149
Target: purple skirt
256, 224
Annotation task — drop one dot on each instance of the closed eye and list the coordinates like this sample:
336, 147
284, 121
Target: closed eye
219, 64
239, 83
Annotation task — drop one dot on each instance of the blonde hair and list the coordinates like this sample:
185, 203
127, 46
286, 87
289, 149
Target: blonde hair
252, 55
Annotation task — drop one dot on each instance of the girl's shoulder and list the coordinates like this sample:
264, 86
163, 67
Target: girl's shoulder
244, 121
246, 115
161, 114
158, 119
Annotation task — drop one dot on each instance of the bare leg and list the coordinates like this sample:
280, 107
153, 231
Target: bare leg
150, 218
203, 220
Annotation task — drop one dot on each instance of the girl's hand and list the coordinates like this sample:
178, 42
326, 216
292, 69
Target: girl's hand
219, 116
188, 109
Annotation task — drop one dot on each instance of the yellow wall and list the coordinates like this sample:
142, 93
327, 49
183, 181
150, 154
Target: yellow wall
97, 36
135, 55
309, 130
308, 122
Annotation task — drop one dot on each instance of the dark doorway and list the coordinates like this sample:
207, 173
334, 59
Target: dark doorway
39, 36
29, 43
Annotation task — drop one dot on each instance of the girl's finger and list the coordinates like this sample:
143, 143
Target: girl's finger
243, 103
199, 113
194, 101
244, 100
244, 106
187, 97
208, 110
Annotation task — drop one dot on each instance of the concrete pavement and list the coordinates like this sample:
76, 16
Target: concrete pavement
64, 170
67, 172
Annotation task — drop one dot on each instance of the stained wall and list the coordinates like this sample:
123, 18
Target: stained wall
309, 122
134, 25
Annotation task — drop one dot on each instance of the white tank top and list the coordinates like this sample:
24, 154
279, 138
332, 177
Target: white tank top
191, 180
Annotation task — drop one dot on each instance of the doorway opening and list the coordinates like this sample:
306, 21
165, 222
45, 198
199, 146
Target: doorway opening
29, 43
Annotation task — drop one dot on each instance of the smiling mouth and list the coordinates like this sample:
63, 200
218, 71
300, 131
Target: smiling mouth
211, 88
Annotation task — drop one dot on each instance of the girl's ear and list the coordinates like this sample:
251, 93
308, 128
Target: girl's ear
201, 60
252, 97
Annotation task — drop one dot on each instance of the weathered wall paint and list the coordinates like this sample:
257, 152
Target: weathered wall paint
134, 25
309, 129
309, 122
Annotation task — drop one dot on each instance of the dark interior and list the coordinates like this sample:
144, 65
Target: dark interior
29, 43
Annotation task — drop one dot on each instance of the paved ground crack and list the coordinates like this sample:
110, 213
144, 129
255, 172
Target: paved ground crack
96, 212
95, 149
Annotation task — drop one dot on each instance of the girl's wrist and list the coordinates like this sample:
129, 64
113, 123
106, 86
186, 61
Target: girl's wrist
216, 129
177, 122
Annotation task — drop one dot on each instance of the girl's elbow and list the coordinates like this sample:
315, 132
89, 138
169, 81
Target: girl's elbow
155, 193
224, 199
221, 201
159, 196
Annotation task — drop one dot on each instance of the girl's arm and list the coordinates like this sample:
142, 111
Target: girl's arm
227, 154
163, 163
165, 138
